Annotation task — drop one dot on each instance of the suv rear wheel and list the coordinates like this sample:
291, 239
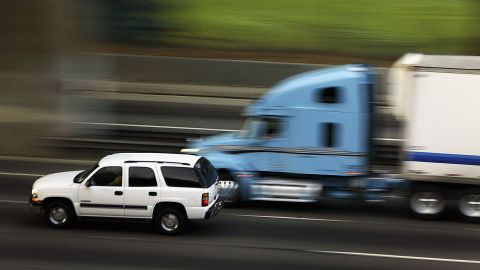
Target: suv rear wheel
170, 221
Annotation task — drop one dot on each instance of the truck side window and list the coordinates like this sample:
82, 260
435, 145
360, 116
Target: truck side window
107, 176
328, 95
181, 177
273, 128
141, 177
330, 134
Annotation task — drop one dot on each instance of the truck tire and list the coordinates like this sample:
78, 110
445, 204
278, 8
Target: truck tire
469, 205
427, 203
59, 215
170, 221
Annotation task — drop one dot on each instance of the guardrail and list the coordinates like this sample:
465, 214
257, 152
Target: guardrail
150, 103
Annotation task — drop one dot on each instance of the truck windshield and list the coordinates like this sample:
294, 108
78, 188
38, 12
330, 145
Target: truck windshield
267, 127
207, 171
250, 127
81, 176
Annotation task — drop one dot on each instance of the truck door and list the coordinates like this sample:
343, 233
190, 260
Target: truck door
271, 149
331, 134
141, 189
102, 194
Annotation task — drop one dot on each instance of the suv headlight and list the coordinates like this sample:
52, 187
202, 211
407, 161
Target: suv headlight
35, 197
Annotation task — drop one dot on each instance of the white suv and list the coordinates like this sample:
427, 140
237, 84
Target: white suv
167, 189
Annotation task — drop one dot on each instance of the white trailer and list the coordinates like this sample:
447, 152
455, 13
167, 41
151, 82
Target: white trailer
437, 98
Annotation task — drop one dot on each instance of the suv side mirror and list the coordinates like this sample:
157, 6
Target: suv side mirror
88, 183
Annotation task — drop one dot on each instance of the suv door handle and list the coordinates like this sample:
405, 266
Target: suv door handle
118, 192
152, 193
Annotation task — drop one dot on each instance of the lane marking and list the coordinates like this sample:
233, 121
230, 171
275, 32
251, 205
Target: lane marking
22, 174
391, 256
211, 59
152, 126
48, 160
329, 252
293, 218
338, 220
12, 201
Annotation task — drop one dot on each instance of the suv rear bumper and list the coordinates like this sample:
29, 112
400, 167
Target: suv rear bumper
214, 209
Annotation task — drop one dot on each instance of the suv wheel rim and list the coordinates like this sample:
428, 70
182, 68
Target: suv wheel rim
427, 203
169, 222
58, 215
469, 205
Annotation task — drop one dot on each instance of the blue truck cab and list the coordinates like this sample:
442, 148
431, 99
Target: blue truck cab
308, 136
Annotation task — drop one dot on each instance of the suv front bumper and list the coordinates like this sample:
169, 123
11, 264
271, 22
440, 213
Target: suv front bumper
214, 209
35, 207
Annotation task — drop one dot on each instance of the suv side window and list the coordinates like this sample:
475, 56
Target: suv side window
107, 176
181, 177
141, 177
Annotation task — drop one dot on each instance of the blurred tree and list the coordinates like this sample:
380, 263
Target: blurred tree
475, 45
133, 21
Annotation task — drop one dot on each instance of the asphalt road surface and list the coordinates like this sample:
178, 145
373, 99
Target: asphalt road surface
327, 235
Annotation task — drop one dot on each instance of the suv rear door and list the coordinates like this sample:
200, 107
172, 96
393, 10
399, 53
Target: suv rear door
141, 189
189, 184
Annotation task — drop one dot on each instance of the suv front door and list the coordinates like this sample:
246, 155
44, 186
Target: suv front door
102, 194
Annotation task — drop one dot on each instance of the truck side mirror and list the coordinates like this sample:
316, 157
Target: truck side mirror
88, 183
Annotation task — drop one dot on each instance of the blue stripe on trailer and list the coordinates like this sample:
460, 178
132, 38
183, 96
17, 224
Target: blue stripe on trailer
443, 158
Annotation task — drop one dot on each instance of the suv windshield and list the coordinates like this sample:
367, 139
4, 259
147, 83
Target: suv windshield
81, 176
206, 171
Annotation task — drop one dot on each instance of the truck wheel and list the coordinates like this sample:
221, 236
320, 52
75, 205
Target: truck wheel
59, 215
230, 189
469, 205
170, 221
427, 203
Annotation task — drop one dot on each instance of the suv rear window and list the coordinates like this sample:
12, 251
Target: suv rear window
207, 171
181, 177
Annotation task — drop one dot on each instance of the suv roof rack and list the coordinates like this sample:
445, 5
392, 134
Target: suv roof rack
156, 161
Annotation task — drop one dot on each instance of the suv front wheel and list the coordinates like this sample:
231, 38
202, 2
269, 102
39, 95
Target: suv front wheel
170, 221
59, 215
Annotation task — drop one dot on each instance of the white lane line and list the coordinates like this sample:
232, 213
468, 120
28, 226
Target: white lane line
391, 256
152, 126
293, 218
48, 160
12, 201
331, 220
212, 59
22, 174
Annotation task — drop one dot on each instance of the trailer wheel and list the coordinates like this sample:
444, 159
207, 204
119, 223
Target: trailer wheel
469, 205
427, 203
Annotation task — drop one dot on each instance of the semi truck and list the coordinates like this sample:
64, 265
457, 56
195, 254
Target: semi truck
312, 136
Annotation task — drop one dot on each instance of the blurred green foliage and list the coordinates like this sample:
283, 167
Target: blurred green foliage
350, 27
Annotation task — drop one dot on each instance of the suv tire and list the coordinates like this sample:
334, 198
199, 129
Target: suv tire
170, 221
59, 215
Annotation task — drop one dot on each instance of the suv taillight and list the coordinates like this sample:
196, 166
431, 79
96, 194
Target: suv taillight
205, 199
